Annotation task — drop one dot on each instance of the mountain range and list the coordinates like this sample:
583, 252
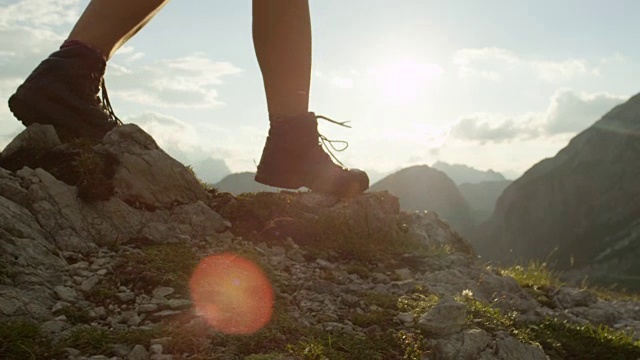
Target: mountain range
581, 208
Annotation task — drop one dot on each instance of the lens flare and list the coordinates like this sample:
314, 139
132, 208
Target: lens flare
232, 293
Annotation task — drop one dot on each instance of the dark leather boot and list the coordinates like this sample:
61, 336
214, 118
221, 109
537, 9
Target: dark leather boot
293, 157
63, 91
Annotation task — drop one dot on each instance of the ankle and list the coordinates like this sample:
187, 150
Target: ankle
284, 117
72, 43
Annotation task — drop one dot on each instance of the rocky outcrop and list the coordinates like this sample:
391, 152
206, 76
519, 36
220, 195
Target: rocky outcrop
422, 188
461, 174
581, 207
108, 277
482, 197
243, 182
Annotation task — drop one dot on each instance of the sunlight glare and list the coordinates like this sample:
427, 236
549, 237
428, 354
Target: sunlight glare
405, 80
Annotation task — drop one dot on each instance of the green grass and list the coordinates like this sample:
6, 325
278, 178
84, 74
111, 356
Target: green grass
159, 265
560, 339
99, 341
536, 278
534, 275
389, 345
75, 314
418, 304
23, 341
563, 340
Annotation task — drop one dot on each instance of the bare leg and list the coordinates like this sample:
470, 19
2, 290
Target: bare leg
106, 25
282, 41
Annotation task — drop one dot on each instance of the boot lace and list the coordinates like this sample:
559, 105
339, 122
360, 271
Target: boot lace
106, 104
329, 144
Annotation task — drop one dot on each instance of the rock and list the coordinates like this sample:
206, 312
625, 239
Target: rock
179, 304
125, 296
54, 327
100, 312
66, 294
10, 306
199, 219
466, 345
59, 306
146, 175
164, 342
566, 297
405, 318
156, 349
138, 353
163, 291
37, 136
120, 350
88, 284
446, 317
296, 255
72, 351
379, 278
147, 308
510, 348
166, 313
428, 228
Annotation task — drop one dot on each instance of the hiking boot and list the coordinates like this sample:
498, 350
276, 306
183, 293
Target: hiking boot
293, 157
63, 91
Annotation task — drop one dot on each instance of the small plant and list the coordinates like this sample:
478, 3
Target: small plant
311, 349
382, 300
536, 278
359, 270
75, 314
417, 304
412, 344
371, 318
159, 265
104, 292
270, 356
93, 172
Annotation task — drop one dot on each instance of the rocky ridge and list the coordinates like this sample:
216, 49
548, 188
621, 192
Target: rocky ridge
103, 275
461, 174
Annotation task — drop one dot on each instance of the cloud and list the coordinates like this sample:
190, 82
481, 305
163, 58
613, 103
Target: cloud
494, 128
181, 140
568, 113
571, 112
335, 79
494, 63
168, 131
185, 82
39, 13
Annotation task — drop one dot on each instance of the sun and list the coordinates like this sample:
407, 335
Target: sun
404, 80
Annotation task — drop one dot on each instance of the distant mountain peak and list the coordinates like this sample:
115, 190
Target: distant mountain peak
461, 173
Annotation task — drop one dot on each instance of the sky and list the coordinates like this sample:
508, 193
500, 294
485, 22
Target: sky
493, 84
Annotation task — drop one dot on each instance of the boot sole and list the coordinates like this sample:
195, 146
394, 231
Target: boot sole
285, 182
